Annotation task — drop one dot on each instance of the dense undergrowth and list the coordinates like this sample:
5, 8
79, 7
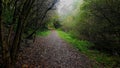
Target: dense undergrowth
43, 33
83, 46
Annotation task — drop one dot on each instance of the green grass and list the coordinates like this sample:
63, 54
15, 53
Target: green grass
84, 47
43, 33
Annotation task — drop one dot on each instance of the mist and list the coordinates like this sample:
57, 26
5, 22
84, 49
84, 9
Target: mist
66, 7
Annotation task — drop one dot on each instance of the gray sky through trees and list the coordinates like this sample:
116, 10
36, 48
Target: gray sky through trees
65, 7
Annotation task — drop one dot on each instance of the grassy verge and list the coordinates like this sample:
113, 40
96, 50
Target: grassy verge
43, 33
84, 47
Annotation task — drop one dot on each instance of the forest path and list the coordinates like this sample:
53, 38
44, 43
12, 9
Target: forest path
52, 52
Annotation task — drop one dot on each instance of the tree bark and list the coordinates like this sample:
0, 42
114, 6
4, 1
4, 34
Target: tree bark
5, 49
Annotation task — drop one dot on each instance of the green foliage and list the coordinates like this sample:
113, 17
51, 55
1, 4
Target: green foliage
43, 33
19, 21
101, 24
84, 46
98, 22
55, 22
7, 16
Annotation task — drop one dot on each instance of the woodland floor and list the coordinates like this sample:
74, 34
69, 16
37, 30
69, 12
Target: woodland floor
51, 52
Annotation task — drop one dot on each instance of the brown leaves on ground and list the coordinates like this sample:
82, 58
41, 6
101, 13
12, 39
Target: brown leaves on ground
51, 52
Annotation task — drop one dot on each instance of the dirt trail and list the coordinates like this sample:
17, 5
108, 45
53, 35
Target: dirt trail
52, 52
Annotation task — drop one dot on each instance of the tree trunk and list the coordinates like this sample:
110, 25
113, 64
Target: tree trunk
16, 41
6, 60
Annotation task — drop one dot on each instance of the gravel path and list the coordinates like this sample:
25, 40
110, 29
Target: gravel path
52, 52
